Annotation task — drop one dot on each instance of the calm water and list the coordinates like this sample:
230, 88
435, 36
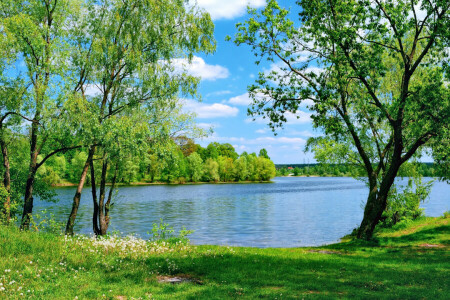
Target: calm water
290, 212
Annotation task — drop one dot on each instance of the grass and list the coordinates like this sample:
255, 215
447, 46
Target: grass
407, 262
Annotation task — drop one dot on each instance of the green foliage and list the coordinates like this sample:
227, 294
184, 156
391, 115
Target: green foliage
195, 166
211, 170
263, 153
44, 222
404, 201
164, 232
3, 209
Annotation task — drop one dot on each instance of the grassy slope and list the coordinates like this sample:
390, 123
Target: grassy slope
410, 262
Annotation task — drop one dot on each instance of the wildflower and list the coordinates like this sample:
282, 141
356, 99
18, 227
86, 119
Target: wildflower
2, 288
7, 270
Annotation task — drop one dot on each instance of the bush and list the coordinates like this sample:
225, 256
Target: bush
405, 205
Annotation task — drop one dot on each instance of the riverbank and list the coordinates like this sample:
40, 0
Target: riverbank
69, 184
410, 261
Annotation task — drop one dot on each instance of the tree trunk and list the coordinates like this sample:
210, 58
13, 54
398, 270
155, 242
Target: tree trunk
111, 190
6, 180
28, 202
95, 227
376, 203
101, 201
34, 152
77, 197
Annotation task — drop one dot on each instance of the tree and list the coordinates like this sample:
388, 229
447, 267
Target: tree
240, 168
195, 166
211, 170
263, 153
128, 55
36, 32
371, 71
226, 168
226, 150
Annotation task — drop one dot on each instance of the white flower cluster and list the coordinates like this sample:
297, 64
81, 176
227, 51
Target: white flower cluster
125, 246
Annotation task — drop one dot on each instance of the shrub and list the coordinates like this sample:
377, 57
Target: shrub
405, 205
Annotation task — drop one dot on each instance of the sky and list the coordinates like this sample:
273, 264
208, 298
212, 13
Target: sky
225, 77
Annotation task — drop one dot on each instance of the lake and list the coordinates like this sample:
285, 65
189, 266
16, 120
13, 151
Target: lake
290, 212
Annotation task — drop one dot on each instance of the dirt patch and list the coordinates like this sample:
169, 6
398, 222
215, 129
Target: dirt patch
325, 251
432, 245
178, 279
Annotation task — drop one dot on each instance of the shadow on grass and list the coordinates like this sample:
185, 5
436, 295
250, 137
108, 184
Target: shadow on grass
315, 275
437, 234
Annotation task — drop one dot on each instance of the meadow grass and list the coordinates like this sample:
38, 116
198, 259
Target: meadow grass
410, 261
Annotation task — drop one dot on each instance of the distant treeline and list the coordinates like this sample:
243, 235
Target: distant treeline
423, 169
179, 162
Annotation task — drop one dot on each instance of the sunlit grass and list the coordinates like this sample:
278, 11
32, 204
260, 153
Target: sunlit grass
410, 261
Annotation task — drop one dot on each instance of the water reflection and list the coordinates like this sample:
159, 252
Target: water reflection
287, 213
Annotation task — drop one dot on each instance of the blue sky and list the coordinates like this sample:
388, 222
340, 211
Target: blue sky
225, 77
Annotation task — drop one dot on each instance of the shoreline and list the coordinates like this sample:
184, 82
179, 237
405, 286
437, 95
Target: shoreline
69, 184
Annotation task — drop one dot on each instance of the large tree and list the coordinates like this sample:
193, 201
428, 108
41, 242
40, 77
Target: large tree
126, 50
35, 33
373, 72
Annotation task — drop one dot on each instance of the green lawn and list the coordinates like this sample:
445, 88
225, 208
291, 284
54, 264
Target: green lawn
407, 262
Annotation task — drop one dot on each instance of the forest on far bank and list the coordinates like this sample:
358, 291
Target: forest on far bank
178, 161
347, 170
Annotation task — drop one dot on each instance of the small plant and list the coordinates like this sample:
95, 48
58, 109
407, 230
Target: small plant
42, 222
164, 232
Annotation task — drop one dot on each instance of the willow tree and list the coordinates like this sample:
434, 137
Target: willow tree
373, 73
35, 31
124, 68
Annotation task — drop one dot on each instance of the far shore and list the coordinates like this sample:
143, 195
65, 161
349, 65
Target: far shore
69, 184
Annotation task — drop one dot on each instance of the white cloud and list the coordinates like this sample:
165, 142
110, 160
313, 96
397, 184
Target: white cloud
229, 9
208, 126
199, 68
92, 90
215, 110
300, 117
243, 99
264, 141
261, 131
